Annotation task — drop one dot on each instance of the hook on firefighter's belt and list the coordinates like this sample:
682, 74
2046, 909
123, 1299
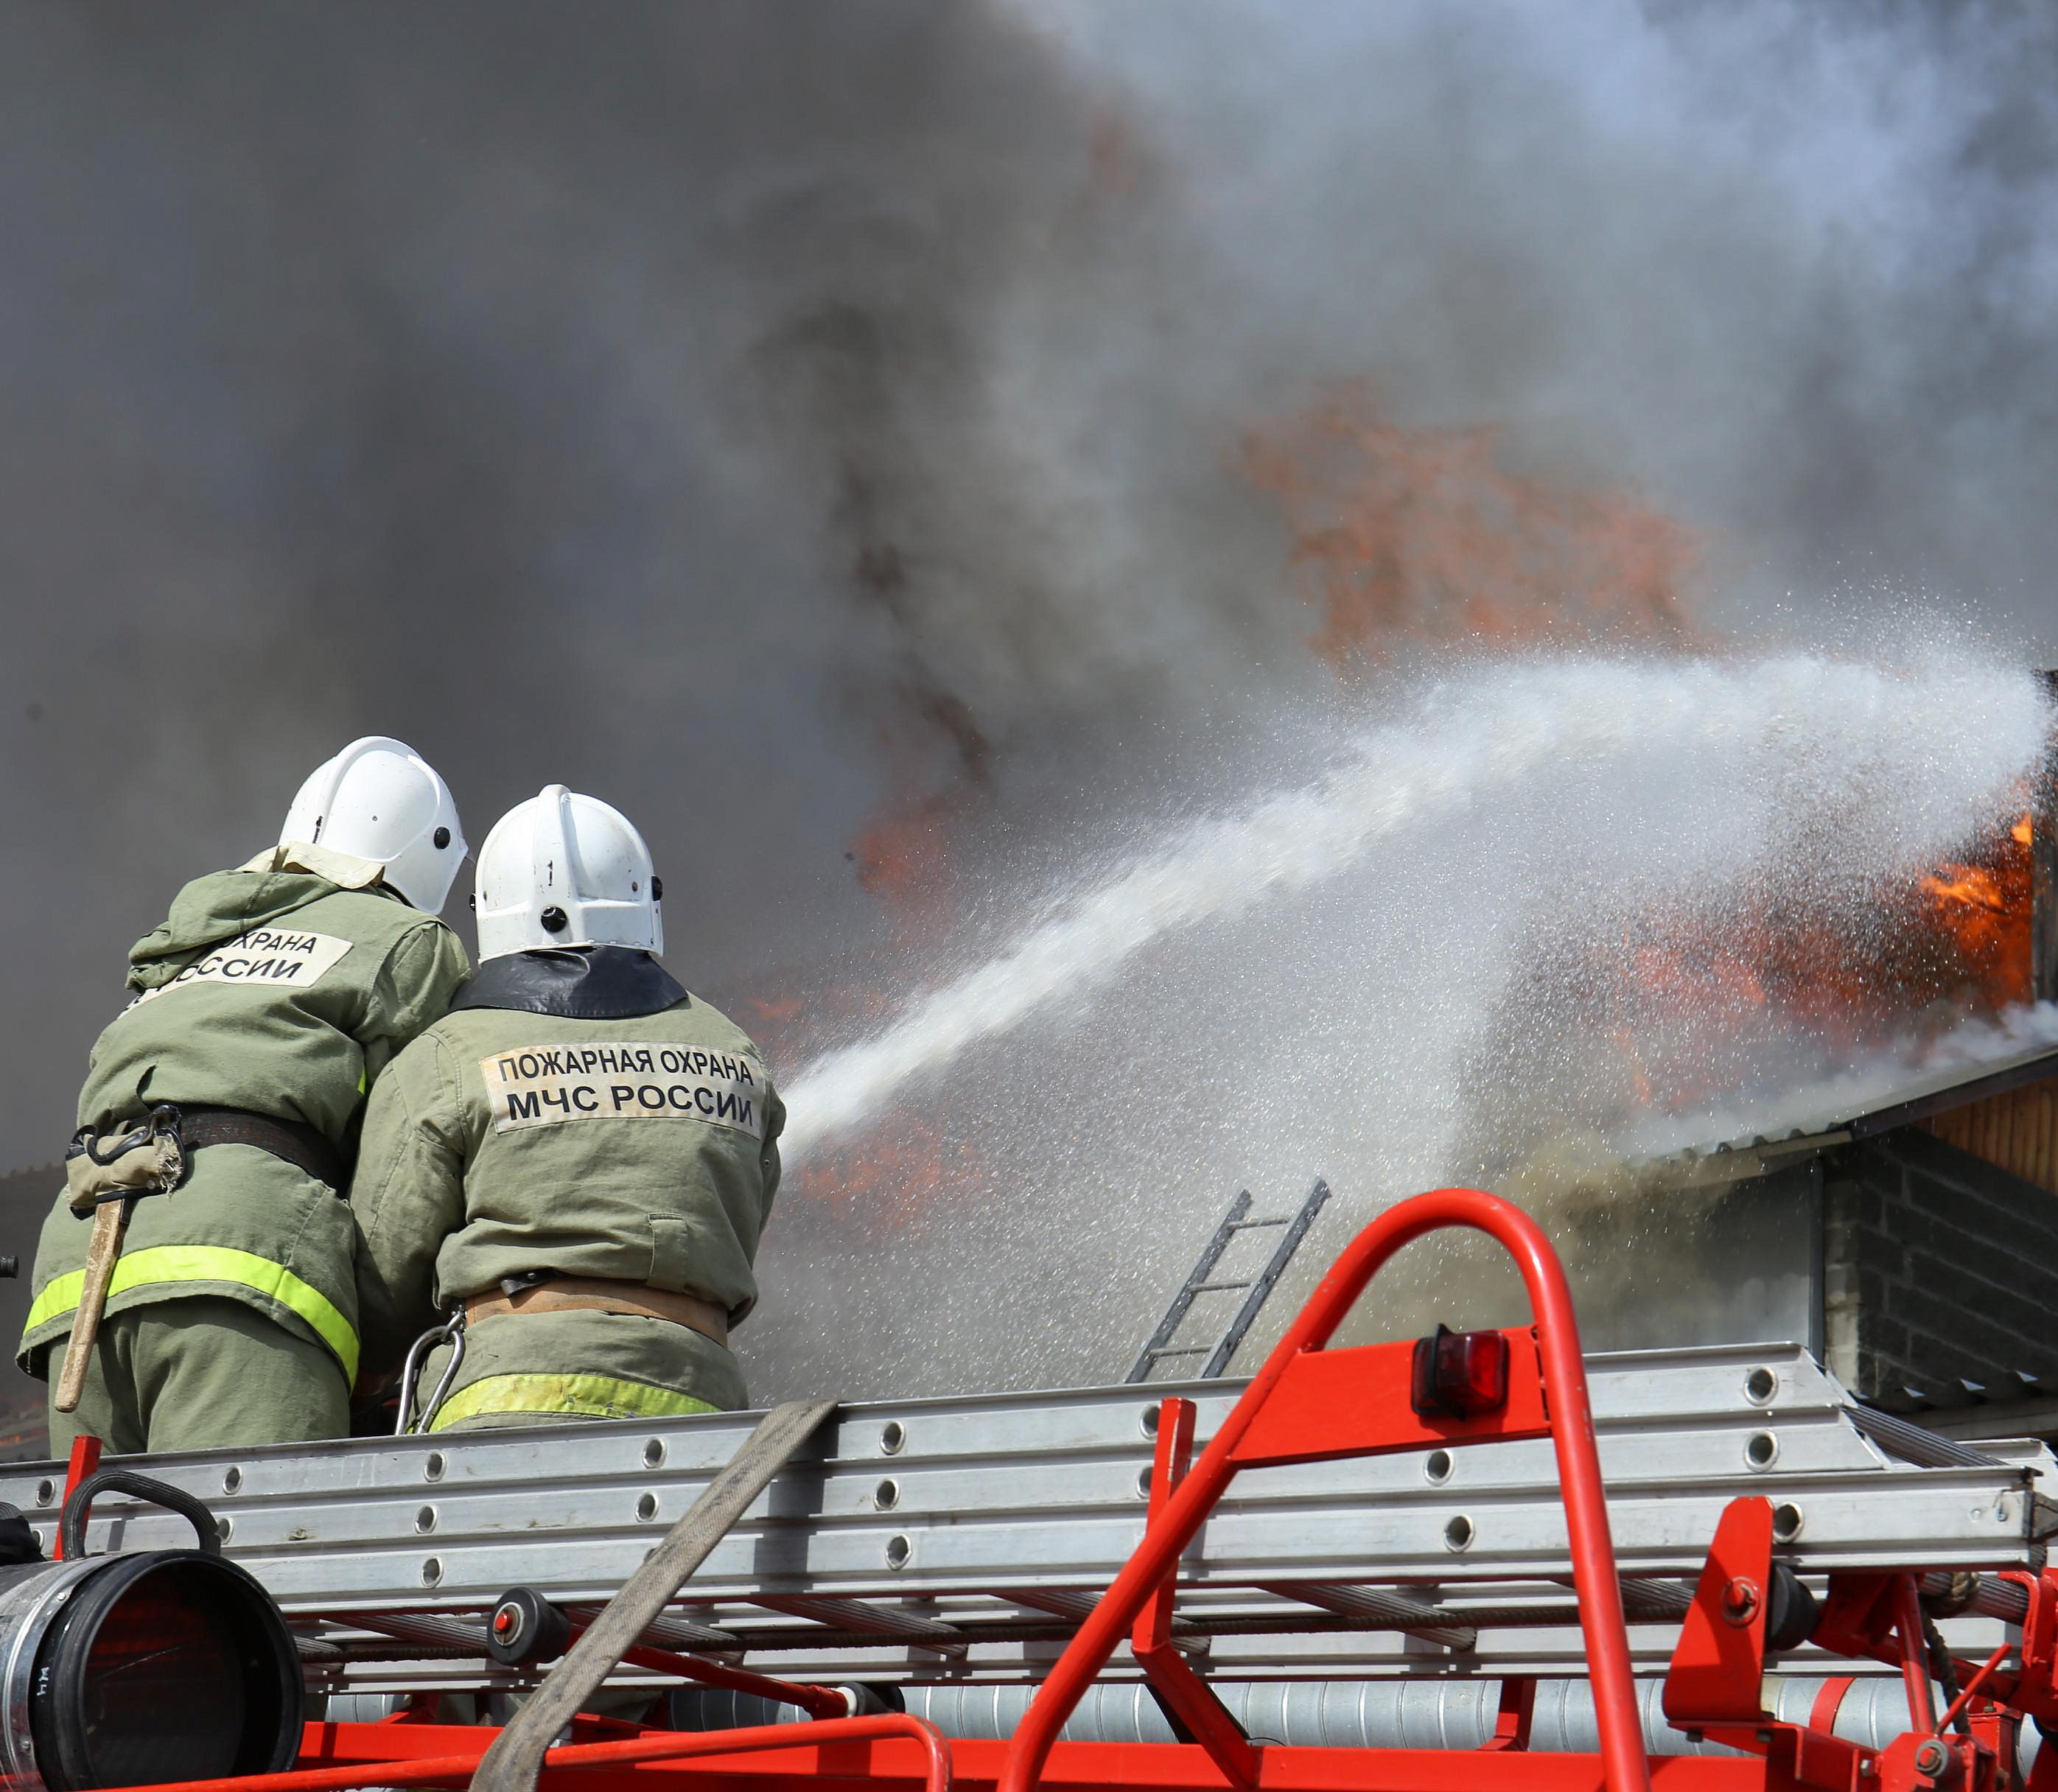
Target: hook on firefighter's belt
148, 1159
165, 1123
451, 1332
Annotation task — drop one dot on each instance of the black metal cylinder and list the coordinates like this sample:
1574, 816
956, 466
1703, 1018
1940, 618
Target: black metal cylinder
126, 1669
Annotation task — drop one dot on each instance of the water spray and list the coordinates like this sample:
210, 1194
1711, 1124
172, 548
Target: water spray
1947, 738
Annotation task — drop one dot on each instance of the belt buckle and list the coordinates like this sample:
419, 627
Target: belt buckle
523, 1280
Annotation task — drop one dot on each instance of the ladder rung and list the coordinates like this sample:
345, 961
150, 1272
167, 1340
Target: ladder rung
1253, 1289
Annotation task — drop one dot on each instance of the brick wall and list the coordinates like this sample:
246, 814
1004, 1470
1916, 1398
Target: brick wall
1937, 1266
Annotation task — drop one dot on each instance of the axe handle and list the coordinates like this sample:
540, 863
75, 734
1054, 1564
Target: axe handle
110, 1224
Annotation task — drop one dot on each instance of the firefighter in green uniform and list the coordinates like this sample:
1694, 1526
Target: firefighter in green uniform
577, 1161
220, 1111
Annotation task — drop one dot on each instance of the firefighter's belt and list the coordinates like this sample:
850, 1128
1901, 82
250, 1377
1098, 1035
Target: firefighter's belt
604, 1295
306, 1148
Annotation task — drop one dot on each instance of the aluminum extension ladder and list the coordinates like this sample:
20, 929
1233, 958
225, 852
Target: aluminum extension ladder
961, 1537
1255, 1289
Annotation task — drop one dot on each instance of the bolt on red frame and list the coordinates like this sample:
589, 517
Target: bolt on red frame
1310, 1404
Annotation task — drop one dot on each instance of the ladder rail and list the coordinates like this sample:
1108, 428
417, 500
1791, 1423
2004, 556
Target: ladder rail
449, 1523
1267, 1279
1211, 1254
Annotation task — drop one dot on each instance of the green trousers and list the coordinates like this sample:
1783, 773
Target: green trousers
535, 1368
200, 1373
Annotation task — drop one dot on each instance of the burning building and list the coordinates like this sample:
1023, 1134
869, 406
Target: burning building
1762, 1229
1862, 1218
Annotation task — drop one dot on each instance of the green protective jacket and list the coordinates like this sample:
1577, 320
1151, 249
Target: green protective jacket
503, 1142
278, 991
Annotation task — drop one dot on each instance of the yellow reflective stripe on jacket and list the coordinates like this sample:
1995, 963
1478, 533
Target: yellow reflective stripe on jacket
175, 1263
585, 1397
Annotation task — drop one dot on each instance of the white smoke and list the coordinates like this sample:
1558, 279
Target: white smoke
679, 405
1887, 1075
1787, 267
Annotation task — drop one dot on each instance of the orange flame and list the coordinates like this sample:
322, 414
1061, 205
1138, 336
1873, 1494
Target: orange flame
901, 854
1680, 994
896, 1170
1984, 908
1426, 535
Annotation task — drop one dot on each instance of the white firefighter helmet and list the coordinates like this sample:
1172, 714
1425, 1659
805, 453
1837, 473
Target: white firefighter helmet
379, 799
566, 870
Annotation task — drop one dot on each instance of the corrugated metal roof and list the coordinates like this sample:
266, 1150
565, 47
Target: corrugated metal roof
1856, 1106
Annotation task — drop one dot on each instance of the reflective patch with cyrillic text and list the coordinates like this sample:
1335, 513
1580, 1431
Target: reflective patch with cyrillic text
264, 958
546, 1085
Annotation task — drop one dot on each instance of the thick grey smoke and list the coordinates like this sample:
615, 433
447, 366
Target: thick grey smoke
757, 412
1786, 268
475, 378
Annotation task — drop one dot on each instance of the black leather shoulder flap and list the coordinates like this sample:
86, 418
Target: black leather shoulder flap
586, 983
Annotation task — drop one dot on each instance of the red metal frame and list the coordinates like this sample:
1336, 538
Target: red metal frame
1185, 1693
1715, 1687
86, 1450
824, 1702
370, 1754
1309, 1404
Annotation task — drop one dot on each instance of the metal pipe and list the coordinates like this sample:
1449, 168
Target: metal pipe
1914, 1655
1456, 1715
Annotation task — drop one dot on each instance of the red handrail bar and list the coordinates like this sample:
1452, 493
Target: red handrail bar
1623, 1764
823, 1704
457, 1770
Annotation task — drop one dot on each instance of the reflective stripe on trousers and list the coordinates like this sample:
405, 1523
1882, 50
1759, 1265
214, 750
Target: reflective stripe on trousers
566, 1397
164, 1264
